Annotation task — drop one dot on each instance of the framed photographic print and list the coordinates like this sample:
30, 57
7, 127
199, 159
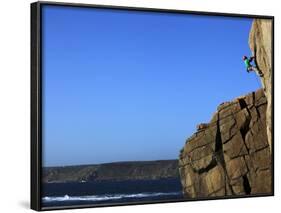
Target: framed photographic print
141, 105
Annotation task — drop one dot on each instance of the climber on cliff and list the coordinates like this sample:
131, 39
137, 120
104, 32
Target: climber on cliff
250, 67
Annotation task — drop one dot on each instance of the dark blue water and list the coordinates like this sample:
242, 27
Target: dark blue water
110, 192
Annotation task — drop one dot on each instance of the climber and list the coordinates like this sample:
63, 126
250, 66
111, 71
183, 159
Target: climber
250, 67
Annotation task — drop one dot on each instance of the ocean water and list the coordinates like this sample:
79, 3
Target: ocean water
110, 192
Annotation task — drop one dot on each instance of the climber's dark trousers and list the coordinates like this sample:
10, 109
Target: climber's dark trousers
258, 72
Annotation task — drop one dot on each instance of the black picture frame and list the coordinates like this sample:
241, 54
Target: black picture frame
36, 96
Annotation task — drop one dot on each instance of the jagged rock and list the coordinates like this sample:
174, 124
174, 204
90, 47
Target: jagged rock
260, 42
231, 154
201, 126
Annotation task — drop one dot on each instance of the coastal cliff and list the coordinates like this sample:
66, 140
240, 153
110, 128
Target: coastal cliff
231, 155
260, 42
119, 171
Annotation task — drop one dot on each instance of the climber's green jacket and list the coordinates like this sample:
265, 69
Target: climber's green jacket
247, 63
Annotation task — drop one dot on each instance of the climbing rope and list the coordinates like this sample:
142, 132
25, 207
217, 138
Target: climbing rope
258, 80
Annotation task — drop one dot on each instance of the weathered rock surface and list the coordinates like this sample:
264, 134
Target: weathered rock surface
260, 42
230, 155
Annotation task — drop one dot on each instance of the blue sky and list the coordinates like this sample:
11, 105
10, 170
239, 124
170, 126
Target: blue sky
123, 85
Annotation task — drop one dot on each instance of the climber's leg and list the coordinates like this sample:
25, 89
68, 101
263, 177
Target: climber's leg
257, 71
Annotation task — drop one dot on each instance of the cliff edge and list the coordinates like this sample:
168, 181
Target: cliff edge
260, 42
231, 155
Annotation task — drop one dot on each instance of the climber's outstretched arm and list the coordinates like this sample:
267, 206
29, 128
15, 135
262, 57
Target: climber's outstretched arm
251, 58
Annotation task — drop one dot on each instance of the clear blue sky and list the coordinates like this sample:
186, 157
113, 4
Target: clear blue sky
123, 86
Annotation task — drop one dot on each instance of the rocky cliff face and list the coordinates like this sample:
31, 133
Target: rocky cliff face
260, 42
231, 155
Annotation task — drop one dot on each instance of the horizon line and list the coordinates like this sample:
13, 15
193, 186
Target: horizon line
93, 164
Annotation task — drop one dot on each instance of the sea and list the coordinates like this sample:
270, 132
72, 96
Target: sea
110, 192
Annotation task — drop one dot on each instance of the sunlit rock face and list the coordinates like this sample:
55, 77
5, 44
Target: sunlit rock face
231, 155
260, 42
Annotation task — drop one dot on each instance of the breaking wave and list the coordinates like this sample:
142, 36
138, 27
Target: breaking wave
66, 198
